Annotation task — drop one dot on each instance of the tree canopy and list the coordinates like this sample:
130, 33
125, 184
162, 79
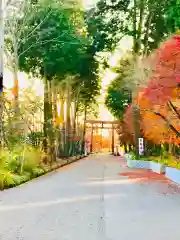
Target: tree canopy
50, 43
143, 20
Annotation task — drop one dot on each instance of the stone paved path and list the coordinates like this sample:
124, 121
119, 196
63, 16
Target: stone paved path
90, 200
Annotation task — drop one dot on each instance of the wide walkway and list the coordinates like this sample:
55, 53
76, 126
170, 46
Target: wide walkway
90, 200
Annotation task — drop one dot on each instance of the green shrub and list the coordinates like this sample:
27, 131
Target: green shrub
17, 179
135, 157
14, 163
168, 160
4, 155
25, 177
20, 159
12, 160
37, 172
154, 150
19, 166
31, 159
36, 138
6, 179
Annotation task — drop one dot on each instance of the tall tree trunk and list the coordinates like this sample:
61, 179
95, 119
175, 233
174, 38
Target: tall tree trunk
84, 128
46, 107
55, 115
17, 123
137, 29
68, 117
140, 26
51, 129
75, 120
1, 70
146, 37
136, 124
54, 103
134, 17
74, 127
62, 125
48, 120
125, 147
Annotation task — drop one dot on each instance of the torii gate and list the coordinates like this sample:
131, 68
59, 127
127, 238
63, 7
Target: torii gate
92, 124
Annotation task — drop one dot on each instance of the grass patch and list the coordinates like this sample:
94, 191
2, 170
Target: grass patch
133, 156
167, 160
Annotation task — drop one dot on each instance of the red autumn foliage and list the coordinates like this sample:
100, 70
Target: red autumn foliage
155, 128
159, 101
166, 73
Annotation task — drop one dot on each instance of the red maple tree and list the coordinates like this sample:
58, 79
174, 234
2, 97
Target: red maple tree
163, 90
165, 81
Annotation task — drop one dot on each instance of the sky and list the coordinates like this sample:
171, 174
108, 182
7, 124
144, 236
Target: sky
126, 43
24, 82
89, 3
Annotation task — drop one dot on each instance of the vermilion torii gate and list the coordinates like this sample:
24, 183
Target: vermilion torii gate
98, 124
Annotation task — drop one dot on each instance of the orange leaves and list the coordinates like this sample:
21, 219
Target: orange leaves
58, 121
159, 102
142, 100
166, 75
15, 89
157, 116
154, 128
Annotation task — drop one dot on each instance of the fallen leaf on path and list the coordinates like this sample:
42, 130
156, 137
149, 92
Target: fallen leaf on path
147, 177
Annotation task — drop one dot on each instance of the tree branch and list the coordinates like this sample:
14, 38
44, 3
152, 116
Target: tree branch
8, 3
44, 42
174, 109
169, 124
30, 34
140, 25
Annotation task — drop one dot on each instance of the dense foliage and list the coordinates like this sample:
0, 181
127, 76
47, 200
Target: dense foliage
118, 93
159, 101
60, 43
154, 79
143, 20
49, 41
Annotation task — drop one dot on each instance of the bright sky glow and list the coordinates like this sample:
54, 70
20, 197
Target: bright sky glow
24, 82
89, 3
126, 43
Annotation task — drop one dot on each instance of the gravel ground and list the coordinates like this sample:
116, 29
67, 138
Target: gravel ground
89, 200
